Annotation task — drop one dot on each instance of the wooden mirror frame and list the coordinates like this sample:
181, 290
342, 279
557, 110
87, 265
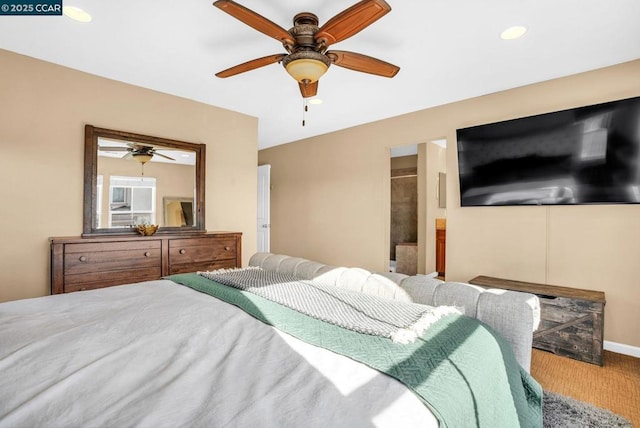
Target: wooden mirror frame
91, 135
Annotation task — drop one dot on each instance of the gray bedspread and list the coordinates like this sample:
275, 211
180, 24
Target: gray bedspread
465, 373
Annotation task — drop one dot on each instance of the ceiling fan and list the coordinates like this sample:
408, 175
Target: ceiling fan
138, 152
307, 57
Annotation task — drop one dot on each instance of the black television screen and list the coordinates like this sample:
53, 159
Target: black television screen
586, 155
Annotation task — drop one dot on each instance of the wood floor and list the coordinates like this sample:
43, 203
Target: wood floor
614, 386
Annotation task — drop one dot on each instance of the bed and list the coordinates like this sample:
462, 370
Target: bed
168, 353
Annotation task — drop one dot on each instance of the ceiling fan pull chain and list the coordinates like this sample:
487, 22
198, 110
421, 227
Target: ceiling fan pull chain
305, 108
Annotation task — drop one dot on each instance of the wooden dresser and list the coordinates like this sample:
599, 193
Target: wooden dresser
571, 319
87, 263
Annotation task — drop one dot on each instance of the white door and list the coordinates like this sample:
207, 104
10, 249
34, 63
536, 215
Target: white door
264, 191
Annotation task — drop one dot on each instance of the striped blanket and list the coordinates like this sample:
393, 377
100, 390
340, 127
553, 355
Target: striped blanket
402, 322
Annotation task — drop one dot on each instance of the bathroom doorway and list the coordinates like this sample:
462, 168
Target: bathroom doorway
403, 251
417, 200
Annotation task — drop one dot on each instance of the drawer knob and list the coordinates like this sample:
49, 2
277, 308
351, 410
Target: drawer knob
183, 251
82, 259
147, 254
227, 248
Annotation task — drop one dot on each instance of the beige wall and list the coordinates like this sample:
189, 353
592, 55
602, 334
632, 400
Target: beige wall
330, 201
43, 110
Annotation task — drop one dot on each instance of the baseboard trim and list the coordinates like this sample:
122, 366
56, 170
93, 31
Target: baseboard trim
621, 348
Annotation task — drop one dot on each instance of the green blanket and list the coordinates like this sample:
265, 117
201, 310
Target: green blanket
465, 373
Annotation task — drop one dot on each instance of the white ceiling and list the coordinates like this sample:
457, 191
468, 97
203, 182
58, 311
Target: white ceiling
447, 50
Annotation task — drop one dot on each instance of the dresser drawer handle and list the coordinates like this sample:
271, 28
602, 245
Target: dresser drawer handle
182, 251
82, 259
227, 248
147, 254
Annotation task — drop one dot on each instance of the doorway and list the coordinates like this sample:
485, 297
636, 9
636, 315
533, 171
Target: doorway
264, 214
403, 250
417, 199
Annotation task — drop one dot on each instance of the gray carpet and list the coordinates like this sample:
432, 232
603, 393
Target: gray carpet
564, 412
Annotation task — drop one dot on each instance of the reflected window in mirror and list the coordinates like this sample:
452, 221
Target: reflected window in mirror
131, 201
130, 179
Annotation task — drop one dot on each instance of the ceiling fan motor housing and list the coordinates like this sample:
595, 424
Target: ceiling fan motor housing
305, 26
306, 61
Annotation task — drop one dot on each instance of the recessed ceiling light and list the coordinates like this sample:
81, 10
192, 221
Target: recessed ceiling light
315, 101
76, 14
514, 32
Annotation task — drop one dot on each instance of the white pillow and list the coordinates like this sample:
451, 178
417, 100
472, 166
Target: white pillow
362, 280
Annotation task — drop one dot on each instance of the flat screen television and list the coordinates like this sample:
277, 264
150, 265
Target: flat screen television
585, 155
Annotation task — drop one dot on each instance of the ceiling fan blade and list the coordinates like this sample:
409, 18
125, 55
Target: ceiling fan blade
113, 149
161, 155
251, 65
352, 20
363, 63
255, 21
127, 156
308, 89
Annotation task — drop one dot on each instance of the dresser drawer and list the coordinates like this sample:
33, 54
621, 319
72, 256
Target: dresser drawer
90, 281
202, 250
204, 266
95, 265
111, 256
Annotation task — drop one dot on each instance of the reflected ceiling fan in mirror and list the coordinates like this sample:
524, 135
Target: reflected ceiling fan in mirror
307, 57
138, 152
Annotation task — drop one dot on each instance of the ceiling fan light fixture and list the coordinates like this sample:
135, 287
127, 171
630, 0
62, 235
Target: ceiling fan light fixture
513, 33
142, 157
306, 66
76, 14
309, 70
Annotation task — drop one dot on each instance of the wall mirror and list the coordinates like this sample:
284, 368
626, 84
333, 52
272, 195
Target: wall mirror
132, 179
